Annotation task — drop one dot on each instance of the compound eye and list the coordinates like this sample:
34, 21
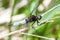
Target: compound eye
39, 16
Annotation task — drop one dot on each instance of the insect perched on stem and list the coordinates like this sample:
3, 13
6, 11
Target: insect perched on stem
31, 18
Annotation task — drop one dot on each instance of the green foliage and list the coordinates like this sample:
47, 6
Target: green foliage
54, 3
44, 29
5, 3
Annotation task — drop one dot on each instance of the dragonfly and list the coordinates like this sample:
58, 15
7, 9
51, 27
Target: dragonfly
31, 18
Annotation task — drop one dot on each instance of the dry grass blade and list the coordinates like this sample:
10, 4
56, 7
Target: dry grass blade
11, 33
22, 30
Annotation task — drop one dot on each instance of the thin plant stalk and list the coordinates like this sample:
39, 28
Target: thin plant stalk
12, 13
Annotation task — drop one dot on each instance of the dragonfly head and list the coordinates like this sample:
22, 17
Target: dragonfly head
39, 17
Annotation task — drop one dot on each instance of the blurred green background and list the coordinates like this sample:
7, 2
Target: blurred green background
17, 10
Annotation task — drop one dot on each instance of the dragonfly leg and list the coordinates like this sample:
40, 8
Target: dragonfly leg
34, 29
38, 22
